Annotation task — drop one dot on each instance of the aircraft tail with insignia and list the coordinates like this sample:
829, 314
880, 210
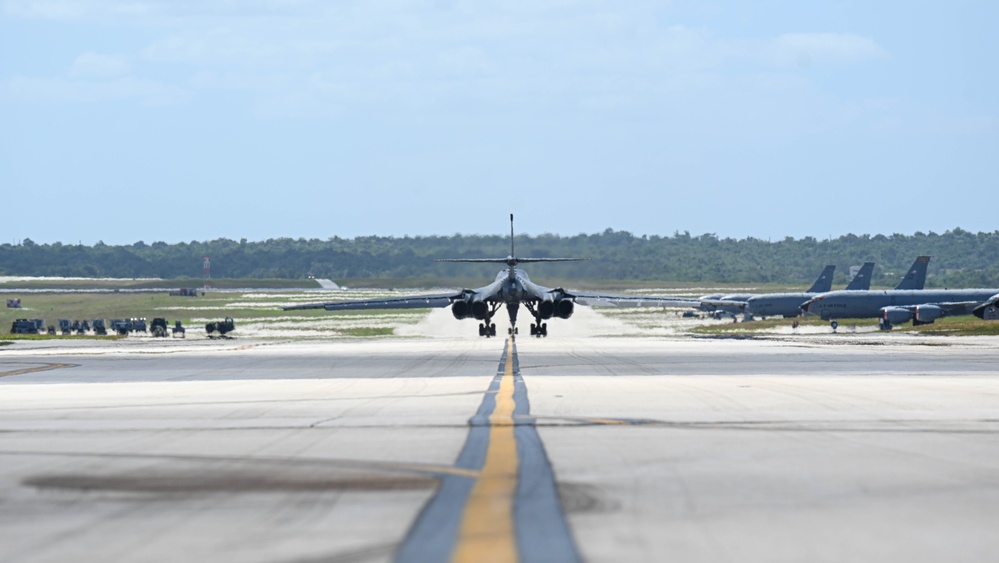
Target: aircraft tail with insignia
824, 281
915, 277
862, 281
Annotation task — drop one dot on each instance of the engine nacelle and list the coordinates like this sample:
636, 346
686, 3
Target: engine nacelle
564, 308
926, 314
461, 310
546, 309
480, 310
895, 315
561, 308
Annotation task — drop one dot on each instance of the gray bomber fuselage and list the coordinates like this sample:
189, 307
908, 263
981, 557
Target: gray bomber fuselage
867, 304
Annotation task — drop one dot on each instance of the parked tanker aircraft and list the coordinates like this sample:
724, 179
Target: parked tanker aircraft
788, 304
915, 277
736, 302
512, 288
895, 306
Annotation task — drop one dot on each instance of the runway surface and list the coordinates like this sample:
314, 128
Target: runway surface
575, 448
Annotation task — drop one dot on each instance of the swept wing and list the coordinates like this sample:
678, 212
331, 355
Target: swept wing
623, 300
431, 301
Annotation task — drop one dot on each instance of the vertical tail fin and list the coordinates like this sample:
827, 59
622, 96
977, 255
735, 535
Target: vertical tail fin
862, 280
512, 255
824, 281
915, 277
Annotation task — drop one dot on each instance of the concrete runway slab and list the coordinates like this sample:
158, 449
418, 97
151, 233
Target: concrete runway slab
661, 448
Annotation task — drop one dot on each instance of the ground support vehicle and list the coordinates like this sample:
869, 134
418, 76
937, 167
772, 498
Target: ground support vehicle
158, 328
121, 326
219, 329
24, 326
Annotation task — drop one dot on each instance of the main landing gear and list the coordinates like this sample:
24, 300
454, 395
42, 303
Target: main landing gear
538, 328
488, 328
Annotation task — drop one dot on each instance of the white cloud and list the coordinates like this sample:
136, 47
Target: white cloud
99, 65
76, 9
807, 49
432, 56
464, 61
147, 92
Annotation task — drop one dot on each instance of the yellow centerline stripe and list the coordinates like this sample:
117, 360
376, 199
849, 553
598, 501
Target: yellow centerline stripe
44, 367
487, 532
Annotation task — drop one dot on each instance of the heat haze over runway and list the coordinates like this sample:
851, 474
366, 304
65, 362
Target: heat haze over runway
872, 447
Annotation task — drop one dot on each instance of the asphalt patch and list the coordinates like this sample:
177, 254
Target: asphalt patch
231, 481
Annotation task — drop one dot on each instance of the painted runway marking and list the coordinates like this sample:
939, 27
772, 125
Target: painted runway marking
39, 366
511, 510
487, 526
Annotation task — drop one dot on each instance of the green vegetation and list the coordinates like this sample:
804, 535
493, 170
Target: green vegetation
176, 283
960, 259
9, 338
367, 331
259, 314
948, 326
246, 308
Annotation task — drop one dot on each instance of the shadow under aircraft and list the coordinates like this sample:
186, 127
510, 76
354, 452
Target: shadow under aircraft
511, 288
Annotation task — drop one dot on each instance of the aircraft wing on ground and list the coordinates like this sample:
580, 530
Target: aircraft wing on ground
401, 302
722, 303
926, 313
949, 309
623, 300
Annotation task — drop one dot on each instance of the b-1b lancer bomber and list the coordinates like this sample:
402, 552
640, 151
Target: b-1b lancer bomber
512, 288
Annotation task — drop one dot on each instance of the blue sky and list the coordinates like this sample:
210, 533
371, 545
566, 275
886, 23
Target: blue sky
179, 120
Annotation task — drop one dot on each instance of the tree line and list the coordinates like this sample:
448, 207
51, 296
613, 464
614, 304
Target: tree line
960, 258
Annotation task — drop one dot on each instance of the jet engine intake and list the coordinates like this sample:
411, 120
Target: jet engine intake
461, 310
564, 308
480, 310
895, 315
561, 308
546, 309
